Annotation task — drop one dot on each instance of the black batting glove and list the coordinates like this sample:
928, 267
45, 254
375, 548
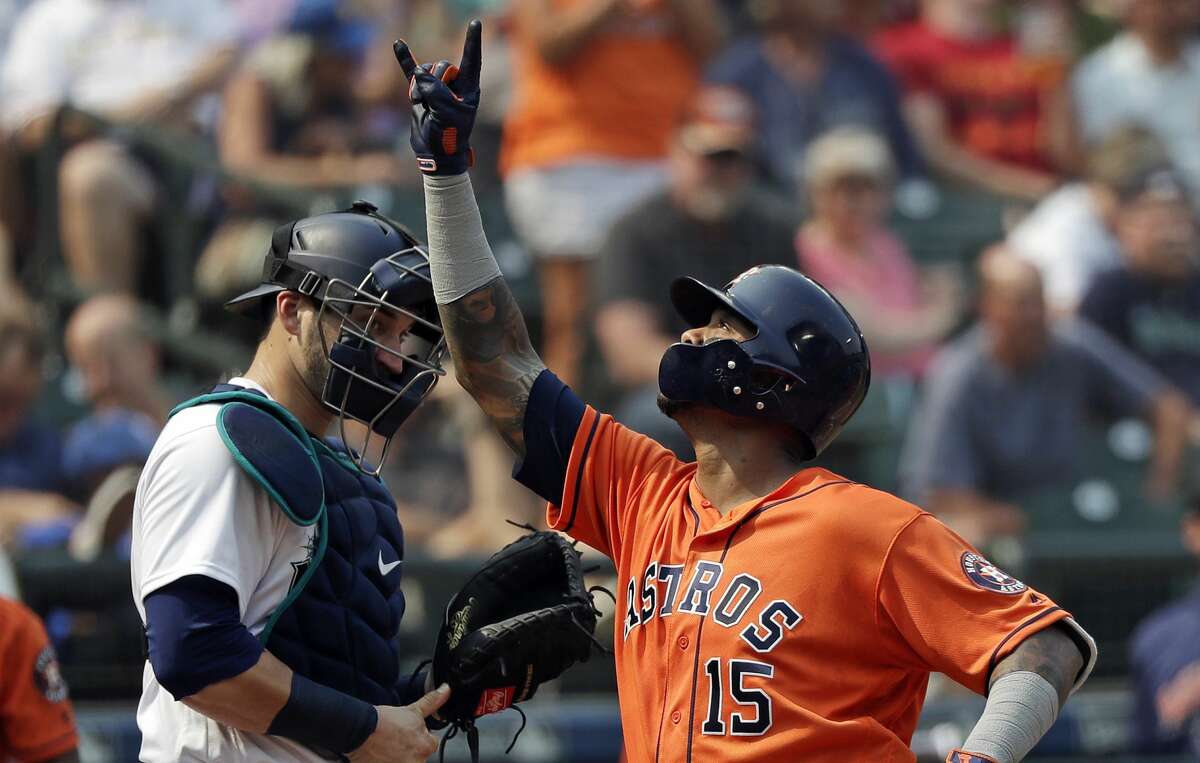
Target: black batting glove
444, 100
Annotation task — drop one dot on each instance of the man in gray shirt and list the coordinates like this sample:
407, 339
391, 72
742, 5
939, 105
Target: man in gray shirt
1004, 407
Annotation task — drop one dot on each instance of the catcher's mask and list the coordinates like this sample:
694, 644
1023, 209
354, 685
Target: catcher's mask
370, 278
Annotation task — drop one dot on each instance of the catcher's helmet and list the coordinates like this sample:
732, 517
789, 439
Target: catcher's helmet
355, 264
806, 365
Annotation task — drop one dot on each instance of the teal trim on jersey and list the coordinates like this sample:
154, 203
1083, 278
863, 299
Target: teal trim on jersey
293, 426
313, 563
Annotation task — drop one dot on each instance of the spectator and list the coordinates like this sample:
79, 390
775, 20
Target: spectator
1004, 407
31, 478
132, 62
847, 248
1069, 235
601, 85
290, 119
1149, 75
710, 223
804, 78
1151, 303
108, 341
1165, 662
986, 114
37, 722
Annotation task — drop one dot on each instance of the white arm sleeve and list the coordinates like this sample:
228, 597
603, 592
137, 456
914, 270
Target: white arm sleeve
460, 259
1021, 708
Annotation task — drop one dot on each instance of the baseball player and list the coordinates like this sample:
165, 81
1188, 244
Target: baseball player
769, 610
266, 560
37, 724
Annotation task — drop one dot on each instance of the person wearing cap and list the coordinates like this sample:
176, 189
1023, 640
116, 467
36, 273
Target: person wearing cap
1150, 303
265, 558
1164, 654
845, 246
712, 221
1069, 236
290, 118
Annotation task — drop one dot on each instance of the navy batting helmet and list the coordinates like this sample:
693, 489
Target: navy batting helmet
355, 264
806, 366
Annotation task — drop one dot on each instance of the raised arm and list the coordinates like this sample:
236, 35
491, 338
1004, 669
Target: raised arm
493, 357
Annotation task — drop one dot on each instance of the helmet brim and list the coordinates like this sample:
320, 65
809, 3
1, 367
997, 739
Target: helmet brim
243, 303
695, 302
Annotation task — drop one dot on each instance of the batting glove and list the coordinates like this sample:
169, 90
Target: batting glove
444, 100
961, 756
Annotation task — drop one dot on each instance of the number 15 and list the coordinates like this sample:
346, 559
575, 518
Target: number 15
738, 671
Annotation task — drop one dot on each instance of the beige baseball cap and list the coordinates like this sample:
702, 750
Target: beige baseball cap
849, 151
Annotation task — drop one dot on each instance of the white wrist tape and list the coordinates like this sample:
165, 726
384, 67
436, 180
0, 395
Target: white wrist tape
1021, 708
460, 259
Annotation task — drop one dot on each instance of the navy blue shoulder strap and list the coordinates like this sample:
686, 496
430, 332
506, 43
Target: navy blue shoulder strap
272, 446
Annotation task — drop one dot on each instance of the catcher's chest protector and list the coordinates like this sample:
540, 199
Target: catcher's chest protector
338, 623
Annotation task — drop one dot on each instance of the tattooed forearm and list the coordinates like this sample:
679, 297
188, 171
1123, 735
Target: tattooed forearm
493, 357
1052, 654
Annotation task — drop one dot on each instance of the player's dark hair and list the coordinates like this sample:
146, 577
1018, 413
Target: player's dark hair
266, 316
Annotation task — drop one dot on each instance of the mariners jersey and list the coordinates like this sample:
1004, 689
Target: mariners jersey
799, 626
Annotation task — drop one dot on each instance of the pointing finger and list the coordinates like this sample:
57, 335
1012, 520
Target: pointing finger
472, 58
429, 704
407, 63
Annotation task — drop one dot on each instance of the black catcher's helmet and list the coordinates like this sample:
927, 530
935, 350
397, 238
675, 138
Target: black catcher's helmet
355, 264
806, 365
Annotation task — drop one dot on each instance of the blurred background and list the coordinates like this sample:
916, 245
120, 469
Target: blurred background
1003, 193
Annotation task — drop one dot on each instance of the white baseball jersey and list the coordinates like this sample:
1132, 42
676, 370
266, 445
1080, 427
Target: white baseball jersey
198, 513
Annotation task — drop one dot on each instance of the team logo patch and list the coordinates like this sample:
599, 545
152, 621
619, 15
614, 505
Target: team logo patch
495, 700
48, 677
988, 576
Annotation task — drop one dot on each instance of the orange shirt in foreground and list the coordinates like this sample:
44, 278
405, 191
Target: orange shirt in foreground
36, 719
802, 626
620, 96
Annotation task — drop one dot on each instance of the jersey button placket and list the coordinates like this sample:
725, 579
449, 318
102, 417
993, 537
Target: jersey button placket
676, 717
683, 642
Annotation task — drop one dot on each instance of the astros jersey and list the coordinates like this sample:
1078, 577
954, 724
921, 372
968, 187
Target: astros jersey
36, 719
801, 626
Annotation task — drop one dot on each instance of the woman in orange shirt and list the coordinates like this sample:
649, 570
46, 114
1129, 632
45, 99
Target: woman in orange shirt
603, 83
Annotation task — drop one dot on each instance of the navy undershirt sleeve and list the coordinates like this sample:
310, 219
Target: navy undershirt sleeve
552, 418
195, 635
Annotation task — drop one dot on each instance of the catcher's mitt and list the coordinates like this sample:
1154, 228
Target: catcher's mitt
520, 621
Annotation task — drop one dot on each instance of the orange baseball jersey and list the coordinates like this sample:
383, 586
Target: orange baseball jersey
801, 626
596, 104
36, 719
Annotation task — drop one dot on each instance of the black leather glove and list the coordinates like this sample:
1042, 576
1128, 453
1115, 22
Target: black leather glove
444, 100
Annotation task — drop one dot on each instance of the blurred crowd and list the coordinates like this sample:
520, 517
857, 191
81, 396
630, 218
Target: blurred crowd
149, 147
